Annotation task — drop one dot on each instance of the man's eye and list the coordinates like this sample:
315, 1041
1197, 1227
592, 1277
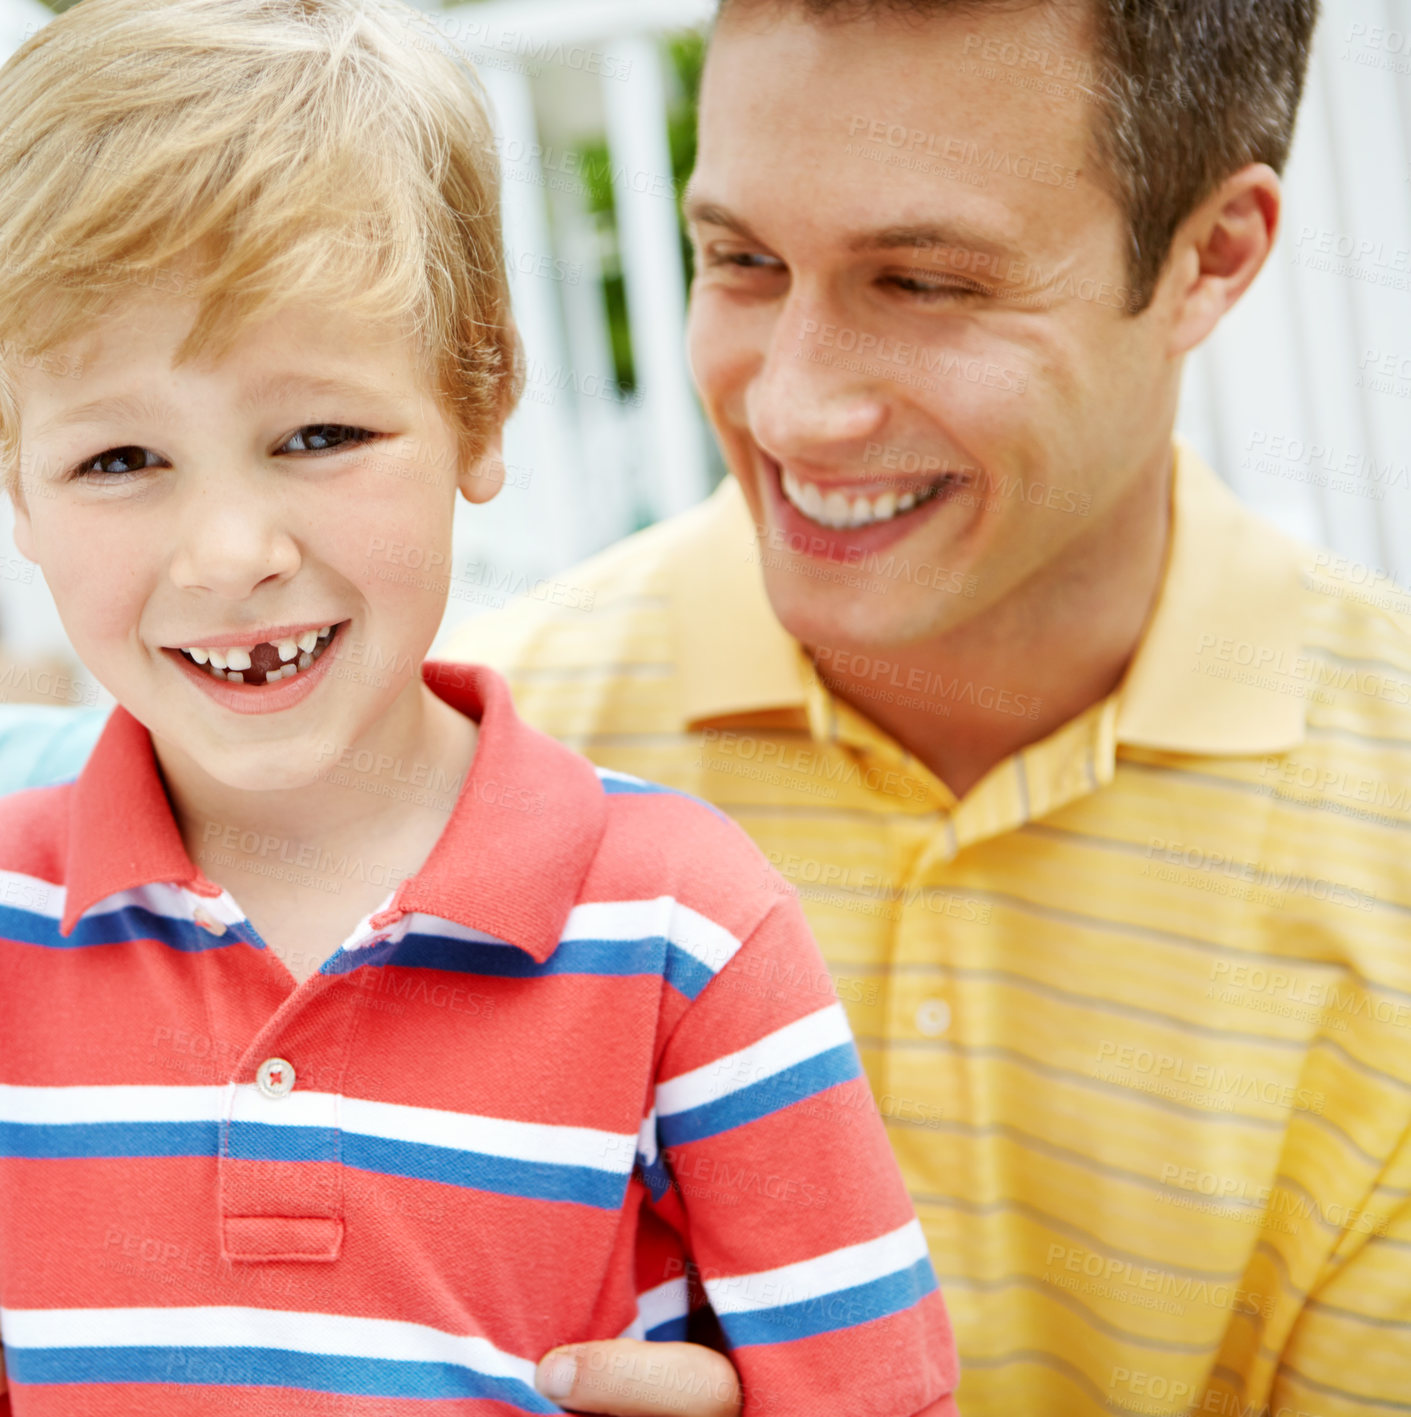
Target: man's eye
320, 437
114, 462
745, 260
933, 290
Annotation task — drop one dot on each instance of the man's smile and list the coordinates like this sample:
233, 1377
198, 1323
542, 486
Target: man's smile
857, 504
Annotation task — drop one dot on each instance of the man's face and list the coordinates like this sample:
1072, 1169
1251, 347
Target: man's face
305, 481
907, 323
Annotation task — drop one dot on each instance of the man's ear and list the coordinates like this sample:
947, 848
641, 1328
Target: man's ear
482, 479
1218, 250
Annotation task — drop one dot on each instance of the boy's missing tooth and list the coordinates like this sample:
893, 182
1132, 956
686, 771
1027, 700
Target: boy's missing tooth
359, 1044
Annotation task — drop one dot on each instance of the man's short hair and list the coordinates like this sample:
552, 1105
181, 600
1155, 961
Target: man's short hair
249, 153
1185, 93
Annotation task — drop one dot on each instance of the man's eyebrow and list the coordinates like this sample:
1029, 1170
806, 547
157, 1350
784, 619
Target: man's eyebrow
137, 407
701, 212
953, 236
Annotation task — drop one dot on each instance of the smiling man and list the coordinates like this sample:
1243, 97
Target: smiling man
1095, 790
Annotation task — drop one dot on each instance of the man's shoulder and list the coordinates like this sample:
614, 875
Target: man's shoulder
602, 599
600, 641
1357, 642
1352, 672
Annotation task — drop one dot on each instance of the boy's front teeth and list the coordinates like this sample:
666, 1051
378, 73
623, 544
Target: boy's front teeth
264, 663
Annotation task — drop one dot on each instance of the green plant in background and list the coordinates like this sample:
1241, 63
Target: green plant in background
687, 56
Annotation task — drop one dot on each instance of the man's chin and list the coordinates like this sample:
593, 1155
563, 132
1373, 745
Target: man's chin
860, 618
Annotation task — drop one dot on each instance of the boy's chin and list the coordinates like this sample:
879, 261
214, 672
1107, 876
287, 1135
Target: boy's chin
287, 767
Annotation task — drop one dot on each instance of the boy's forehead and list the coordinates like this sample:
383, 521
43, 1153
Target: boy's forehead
121, 368
311, 339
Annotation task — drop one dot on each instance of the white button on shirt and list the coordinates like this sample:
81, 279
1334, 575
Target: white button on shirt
933, 1018
275, 1077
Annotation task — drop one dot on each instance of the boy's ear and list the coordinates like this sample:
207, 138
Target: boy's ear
23, 531
481, 480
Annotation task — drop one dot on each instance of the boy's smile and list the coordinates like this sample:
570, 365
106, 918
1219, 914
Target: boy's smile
210, 535
258, 663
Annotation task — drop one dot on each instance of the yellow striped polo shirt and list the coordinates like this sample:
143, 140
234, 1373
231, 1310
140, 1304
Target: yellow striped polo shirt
1137, 1008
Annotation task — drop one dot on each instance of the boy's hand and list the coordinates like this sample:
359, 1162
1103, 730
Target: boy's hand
628, 1378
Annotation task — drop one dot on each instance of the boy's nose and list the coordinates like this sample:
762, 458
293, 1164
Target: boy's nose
232, 548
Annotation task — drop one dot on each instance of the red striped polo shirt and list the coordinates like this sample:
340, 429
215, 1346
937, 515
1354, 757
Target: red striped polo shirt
580, 1073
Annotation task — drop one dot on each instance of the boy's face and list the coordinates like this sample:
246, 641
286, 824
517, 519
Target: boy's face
910, 291
305, 480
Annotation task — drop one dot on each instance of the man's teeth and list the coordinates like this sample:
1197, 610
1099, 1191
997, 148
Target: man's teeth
838, 509
233, 665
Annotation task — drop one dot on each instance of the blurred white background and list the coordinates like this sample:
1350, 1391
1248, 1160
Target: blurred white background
1302, 399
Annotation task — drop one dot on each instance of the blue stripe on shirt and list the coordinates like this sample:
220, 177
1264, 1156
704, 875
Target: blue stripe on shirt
649, 955
760, 1099
217, 1367
115, 927
827, 1313
52, 1141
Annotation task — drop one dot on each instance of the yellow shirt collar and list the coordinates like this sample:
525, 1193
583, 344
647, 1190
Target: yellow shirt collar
1229, 602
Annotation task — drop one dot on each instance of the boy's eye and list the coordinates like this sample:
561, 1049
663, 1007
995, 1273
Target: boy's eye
114, 462
319, 437
313, 438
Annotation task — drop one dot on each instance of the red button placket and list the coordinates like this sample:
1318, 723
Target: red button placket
280, 1166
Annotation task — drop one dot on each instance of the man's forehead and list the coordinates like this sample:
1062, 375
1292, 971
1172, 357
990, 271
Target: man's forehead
883, 135
947, 69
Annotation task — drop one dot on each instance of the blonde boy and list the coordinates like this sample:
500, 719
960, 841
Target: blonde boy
496, 1051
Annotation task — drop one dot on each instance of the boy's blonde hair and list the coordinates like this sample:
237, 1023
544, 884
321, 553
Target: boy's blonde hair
249, 153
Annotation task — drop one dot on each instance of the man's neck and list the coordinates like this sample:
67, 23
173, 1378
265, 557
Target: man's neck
1059, 644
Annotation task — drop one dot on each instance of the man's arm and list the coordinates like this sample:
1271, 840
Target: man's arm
1349, 1351
815, 1265
816, 1272
624, 1377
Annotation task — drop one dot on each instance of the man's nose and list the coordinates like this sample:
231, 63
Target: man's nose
809, 398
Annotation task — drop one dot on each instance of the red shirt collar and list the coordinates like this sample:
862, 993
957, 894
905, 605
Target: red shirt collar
510, 862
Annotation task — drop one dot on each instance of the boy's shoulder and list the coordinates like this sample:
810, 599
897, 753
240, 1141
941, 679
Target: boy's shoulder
34, 833
660, 841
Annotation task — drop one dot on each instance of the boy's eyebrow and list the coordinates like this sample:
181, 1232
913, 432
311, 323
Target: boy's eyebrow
952, 236
272, 385
139, 406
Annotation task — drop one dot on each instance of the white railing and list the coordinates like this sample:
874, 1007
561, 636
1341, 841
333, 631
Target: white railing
586, 466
